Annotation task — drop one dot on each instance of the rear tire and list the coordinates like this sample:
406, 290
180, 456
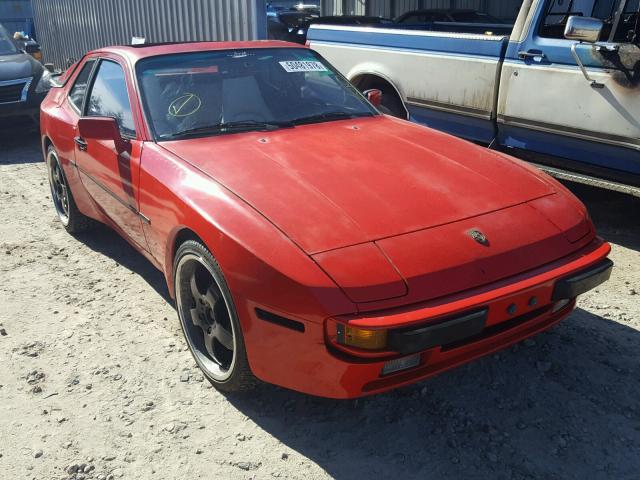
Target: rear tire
209, 320
66, 209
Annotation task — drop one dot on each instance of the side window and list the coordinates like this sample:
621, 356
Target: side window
109, 97
76, 95
629, 26
558, 12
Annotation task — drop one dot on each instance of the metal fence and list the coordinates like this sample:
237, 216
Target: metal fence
67, 29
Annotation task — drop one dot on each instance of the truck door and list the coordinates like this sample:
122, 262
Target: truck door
547, 105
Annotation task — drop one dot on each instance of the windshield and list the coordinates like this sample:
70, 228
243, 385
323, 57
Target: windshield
217, 92
6, 43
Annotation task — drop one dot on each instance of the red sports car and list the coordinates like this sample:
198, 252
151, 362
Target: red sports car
308, 240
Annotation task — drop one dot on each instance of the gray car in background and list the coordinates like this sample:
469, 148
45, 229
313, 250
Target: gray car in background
24, 83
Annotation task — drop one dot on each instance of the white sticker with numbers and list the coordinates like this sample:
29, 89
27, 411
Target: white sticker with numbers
292, 66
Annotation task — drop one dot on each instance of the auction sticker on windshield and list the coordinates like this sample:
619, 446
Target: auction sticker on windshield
303, 66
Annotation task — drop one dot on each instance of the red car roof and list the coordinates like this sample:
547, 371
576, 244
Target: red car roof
135, 53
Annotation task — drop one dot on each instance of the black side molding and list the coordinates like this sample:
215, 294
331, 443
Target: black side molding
407, 341
278, 320
583, 281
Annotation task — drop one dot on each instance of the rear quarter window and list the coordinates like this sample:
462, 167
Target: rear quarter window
77, 93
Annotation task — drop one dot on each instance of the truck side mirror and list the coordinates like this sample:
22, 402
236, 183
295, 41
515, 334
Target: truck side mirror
583, 29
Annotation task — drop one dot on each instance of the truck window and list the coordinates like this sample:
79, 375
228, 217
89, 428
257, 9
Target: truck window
490, 17
417, 18
558, 11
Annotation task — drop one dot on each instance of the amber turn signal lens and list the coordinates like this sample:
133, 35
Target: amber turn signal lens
362, 338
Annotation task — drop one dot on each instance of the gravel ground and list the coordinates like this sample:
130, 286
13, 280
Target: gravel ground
96, 381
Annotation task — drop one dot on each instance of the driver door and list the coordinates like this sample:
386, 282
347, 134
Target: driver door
112, 177
546, 104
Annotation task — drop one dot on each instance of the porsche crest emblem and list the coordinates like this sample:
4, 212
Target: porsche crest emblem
479, 237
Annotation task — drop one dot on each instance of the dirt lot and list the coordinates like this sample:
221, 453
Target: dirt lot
94, 375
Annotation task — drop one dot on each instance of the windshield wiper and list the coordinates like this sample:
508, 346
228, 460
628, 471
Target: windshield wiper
229, 127
328, 116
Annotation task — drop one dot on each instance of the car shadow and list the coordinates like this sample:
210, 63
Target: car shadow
614, 214
20, 146
563, 407
106, 241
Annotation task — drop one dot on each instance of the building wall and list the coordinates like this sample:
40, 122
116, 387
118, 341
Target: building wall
331, 7
69, 28
343, 7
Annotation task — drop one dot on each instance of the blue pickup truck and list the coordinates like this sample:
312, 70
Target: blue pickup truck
560, 87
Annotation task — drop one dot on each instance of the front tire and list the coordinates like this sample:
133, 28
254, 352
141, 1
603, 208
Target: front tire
209, 320
66, 209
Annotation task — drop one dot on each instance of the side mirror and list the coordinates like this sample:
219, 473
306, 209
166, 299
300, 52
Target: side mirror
374, 95
583, 29
31, 48
101, 128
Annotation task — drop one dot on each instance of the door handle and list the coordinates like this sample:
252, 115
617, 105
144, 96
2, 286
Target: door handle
537, 56
82, 145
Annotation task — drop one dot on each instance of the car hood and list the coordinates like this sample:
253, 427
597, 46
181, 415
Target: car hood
19, 65
336, 184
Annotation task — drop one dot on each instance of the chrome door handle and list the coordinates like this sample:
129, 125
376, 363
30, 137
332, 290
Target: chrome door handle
523, 55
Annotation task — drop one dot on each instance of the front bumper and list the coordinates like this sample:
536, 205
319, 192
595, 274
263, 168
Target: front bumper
582, 281
27, 110
461, 328
444, 332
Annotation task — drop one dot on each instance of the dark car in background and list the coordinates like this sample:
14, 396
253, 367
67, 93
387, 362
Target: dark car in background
289, 25
24, 82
